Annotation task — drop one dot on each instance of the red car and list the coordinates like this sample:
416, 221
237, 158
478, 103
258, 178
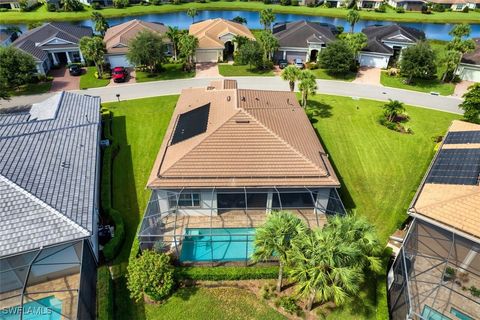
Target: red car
119, 74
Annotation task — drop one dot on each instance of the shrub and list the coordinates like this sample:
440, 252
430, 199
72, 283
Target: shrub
104, 294
400, 10
289, 304
267, 291
381, 8
295, 3
466, 9
226, 273
285, 2
156, 2
426, 10
51, 7
474, 291
438, 8
340, 29
96, 6
267, 1
328, 4
121, 3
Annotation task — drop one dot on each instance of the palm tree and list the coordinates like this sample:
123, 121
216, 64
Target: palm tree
266, 18
307, 85
352, 17
187, 45
192, 12
173, 33
275, 237
291, 74
392, 109
269, 43
239, 41
101, 24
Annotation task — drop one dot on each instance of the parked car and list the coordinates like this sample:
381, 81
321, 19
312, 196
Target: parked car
119, 74
299, 63
75, 70
282, 63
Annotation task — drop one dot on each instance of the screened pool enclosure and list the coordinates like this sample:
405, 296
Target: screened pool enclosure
216, 224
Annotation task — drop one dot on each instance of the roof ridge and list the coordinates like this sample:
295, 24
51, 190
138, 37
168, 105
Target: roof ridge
44, 204
45, 131
297, 25
128, 25
53, 25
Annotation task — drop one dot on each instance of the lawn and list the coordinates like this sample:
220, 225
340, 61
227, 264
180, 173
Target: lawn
171, 71
435, 85
41, 14
322, 74
229, 70
212, 303
88, 79
32, 88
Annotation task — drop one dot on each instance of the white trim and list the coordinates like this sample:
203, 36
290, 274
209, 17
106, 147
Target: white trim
54, 38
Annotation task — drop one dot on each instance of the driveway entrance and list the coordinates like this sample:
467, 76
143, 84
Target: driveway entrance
206, 70
62, 80
368, 75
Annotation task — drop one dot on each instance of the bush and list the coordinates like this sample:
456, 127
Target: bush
295, 3
426, 10
268, 291
121, 3
289, 304
226, 273
381, 8
156, 2
104, 294
340, 29
466, 9
285, 2
438, 8
400, 10
267, 1
51, 7
96, 6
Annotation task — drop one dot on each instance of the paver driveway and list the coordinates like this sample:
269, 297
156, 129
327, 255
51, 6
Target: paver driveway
62, 80
368, 76
461, 88
207, 70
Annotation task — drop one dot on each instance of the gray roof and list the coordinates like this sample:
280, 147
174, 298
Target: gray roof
48, 172
474, 56
298, 34
29, 41
378, 34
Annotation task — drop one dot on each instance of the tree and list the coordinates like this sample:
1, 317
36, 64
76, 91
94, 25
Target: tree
101, 24
307, 85
392, 109
355, 41
93, 50
418, 61
173, 33
266, 18
72, 5
147, 49
450, 61
352, 18
121, 3
16, 68
250, 53
471, 104
274, 237
337, 57
187, 45
460, 43
239, 40
150, 274
291, 74
4, 93
269, 43
240, 19
192, 12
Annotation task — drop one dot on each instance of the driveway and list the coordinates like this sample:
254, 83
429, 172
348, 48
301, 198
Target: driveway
367, 75
62, 80
461, 88
130, 79
207, 70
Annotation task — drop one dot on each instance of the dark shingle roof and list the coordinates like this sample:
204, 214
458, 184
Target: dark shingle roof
378, 34
474, 56
298, 34
48, 172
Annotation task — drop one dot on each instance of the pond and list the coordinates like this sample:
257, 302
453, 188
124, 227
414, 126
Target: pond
181, 20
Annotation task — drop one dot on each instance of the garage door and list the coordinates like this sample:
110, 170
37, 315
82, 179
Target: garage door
470, 74
207, 56
367, 60
118, 61
292, 55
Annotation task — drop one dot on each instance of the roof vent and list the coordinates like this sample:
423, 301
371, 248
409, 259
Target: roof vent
229, 98
256, 98
243, 99
242, 121
65, 164
210, 88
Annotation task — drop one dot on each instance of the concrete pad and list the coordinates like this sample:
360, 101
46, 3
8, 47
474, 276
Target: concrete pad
368, 75
62, 80
461, 88
207, 70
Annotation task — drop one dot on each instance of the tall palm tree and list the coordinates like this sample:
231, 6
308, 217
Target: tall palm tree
392, 109
307, 85
187, 45
101, 24
266, 18
352, 18
173, 33
269, 43
192, 12
291, 74
274, 237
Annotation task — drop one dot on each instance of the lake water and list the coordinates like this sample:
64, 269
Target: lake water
181, 20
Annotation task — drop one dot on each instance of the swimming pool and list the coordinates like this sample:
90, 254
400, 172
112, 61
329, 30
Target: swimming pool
48, 308
222, 244
431, 314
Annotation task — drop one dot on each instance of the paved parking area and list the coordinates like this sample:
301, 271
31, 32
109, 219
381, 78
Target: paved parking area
207, 70
62, 80
368, 76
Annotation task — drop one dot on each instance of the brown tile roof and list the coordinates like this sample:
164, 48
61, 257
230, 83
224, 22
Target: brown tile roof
474, 56
209, 32
454, 205
117, 37
253, 138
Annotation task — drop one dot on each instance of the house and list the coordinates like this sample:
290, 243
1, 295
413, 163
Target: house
456, 5
215, 38
117, 38
230, 156
369, 4
53, 44
436, 274
337, 3
15, 4
301, 39
408, 5
49, 189
469, 68
385, 44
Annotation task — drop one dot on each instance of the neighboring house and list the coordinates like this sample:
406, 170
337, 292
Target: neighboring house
337, 3
301, 39
215, 38
15, 4
7, 37
369, 4
117, 38
49, 190
53, 44
456, 5
229, 157
385, 44
436, 274
469, 68
408, 5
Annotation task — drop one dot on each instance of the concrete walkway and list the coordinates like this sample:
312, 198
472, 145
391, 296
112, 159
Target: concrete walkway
355, 90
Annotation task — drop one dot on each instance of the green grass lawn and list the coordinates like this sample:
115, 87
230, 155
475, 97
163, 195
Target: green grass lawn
171, 71
228, 70
41, 14
32, 88
435, 85
212, 303
322, 74
88, 79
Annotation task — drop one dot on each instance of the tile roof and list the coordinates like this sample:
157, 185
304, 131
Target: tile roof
48, 172
117, 37
253, 138
454, 205
298, 34
209, 32
474, 56
376, 36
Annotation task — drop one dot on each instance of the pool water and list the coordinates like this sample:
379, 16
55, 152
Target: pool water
48, 308
460, 315
431, 314
219, 244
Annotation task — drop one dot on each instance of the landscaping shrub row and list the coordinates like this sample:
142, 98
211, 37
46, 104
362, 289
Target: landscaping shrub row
104, 294
226, 273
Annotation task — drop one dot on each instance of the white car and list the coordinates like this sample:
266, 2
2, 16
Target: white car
299, 63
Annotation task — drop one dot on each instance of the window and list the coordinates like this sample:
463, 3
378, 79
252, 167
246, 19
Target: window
186, 200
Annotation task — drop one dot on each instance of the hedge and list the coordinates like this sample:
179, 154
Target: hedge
104, 294
226, 273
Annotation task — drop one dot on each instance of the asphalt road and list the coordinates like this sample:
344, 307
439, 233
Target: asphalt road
355, 90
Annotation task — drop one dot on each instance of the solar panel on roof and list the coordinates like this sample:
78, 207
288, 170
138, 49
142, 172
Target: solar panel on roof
191, 123
456, 166
462, 137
